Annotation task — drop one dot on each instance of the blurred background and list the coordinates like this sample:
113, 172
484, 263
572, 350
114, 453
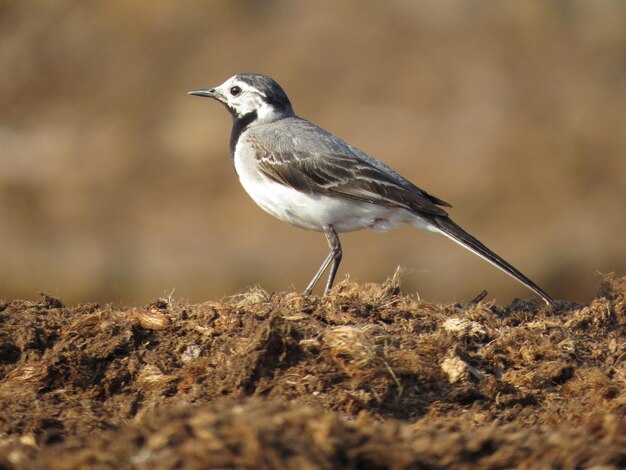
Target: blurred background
115, 186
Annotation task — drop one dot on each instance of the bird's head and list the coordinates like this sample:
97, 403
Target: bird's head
250, 93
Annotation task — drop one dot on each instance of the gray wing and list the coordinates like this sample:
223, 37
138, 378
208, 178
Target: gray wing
299, 154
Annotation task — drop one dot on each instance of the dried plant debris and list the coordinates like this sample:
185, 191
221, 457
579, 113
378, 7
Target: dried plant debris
363, 378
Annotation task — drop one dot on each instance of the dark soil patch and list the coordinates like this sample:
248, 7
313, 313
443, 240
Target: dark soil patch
364, 378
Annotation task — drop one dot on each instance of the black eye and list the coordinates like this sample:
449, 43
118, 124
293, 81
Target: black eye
235, 90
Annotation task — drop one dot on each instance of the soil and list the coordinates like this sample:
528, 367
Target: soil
363, 378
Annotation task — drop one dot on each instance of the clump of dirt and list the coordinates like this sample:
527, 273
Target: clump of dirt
364, 377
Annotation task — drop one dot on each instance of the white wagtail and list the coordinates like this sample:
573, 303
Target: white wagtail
308, 177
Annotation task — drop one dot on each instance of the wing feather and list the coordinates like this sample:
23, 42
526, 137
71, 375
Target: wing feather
311, 160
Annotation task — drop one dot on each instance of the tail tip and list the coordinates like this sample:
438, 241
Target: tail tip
550, 302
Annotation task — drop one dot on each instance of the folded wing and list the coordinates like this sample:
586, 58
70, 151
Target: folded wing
327, 165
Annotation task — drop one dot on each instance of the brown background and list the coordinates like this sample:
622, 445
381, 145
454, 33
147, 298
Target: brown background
116, 186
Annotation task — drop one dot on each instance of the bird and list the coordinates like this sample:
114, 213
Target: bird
312, 179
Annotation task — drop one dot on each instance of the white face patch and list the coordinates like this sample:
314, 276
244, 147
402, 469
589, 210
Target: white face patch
246, 101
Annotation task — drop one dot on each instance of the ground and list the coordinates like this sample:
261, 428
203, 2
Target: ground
366, 377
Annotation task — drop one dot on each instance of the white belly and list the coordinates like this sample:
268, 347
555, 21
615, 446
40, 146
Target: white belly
313, 212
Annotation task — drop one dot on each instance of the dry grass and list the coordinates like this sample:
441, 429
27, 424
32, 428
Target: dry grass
366, 376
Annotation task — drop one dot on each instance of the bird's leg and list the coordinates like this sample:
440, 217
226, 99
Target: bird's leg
334, 256
319, 273
336, 253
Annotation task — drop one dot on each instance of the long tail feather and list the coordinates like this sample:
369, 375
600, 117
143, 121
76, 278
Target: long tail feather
460, 236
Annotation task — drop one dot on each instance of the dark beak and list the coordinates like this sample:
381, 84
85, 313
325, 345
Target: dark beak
204, 93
